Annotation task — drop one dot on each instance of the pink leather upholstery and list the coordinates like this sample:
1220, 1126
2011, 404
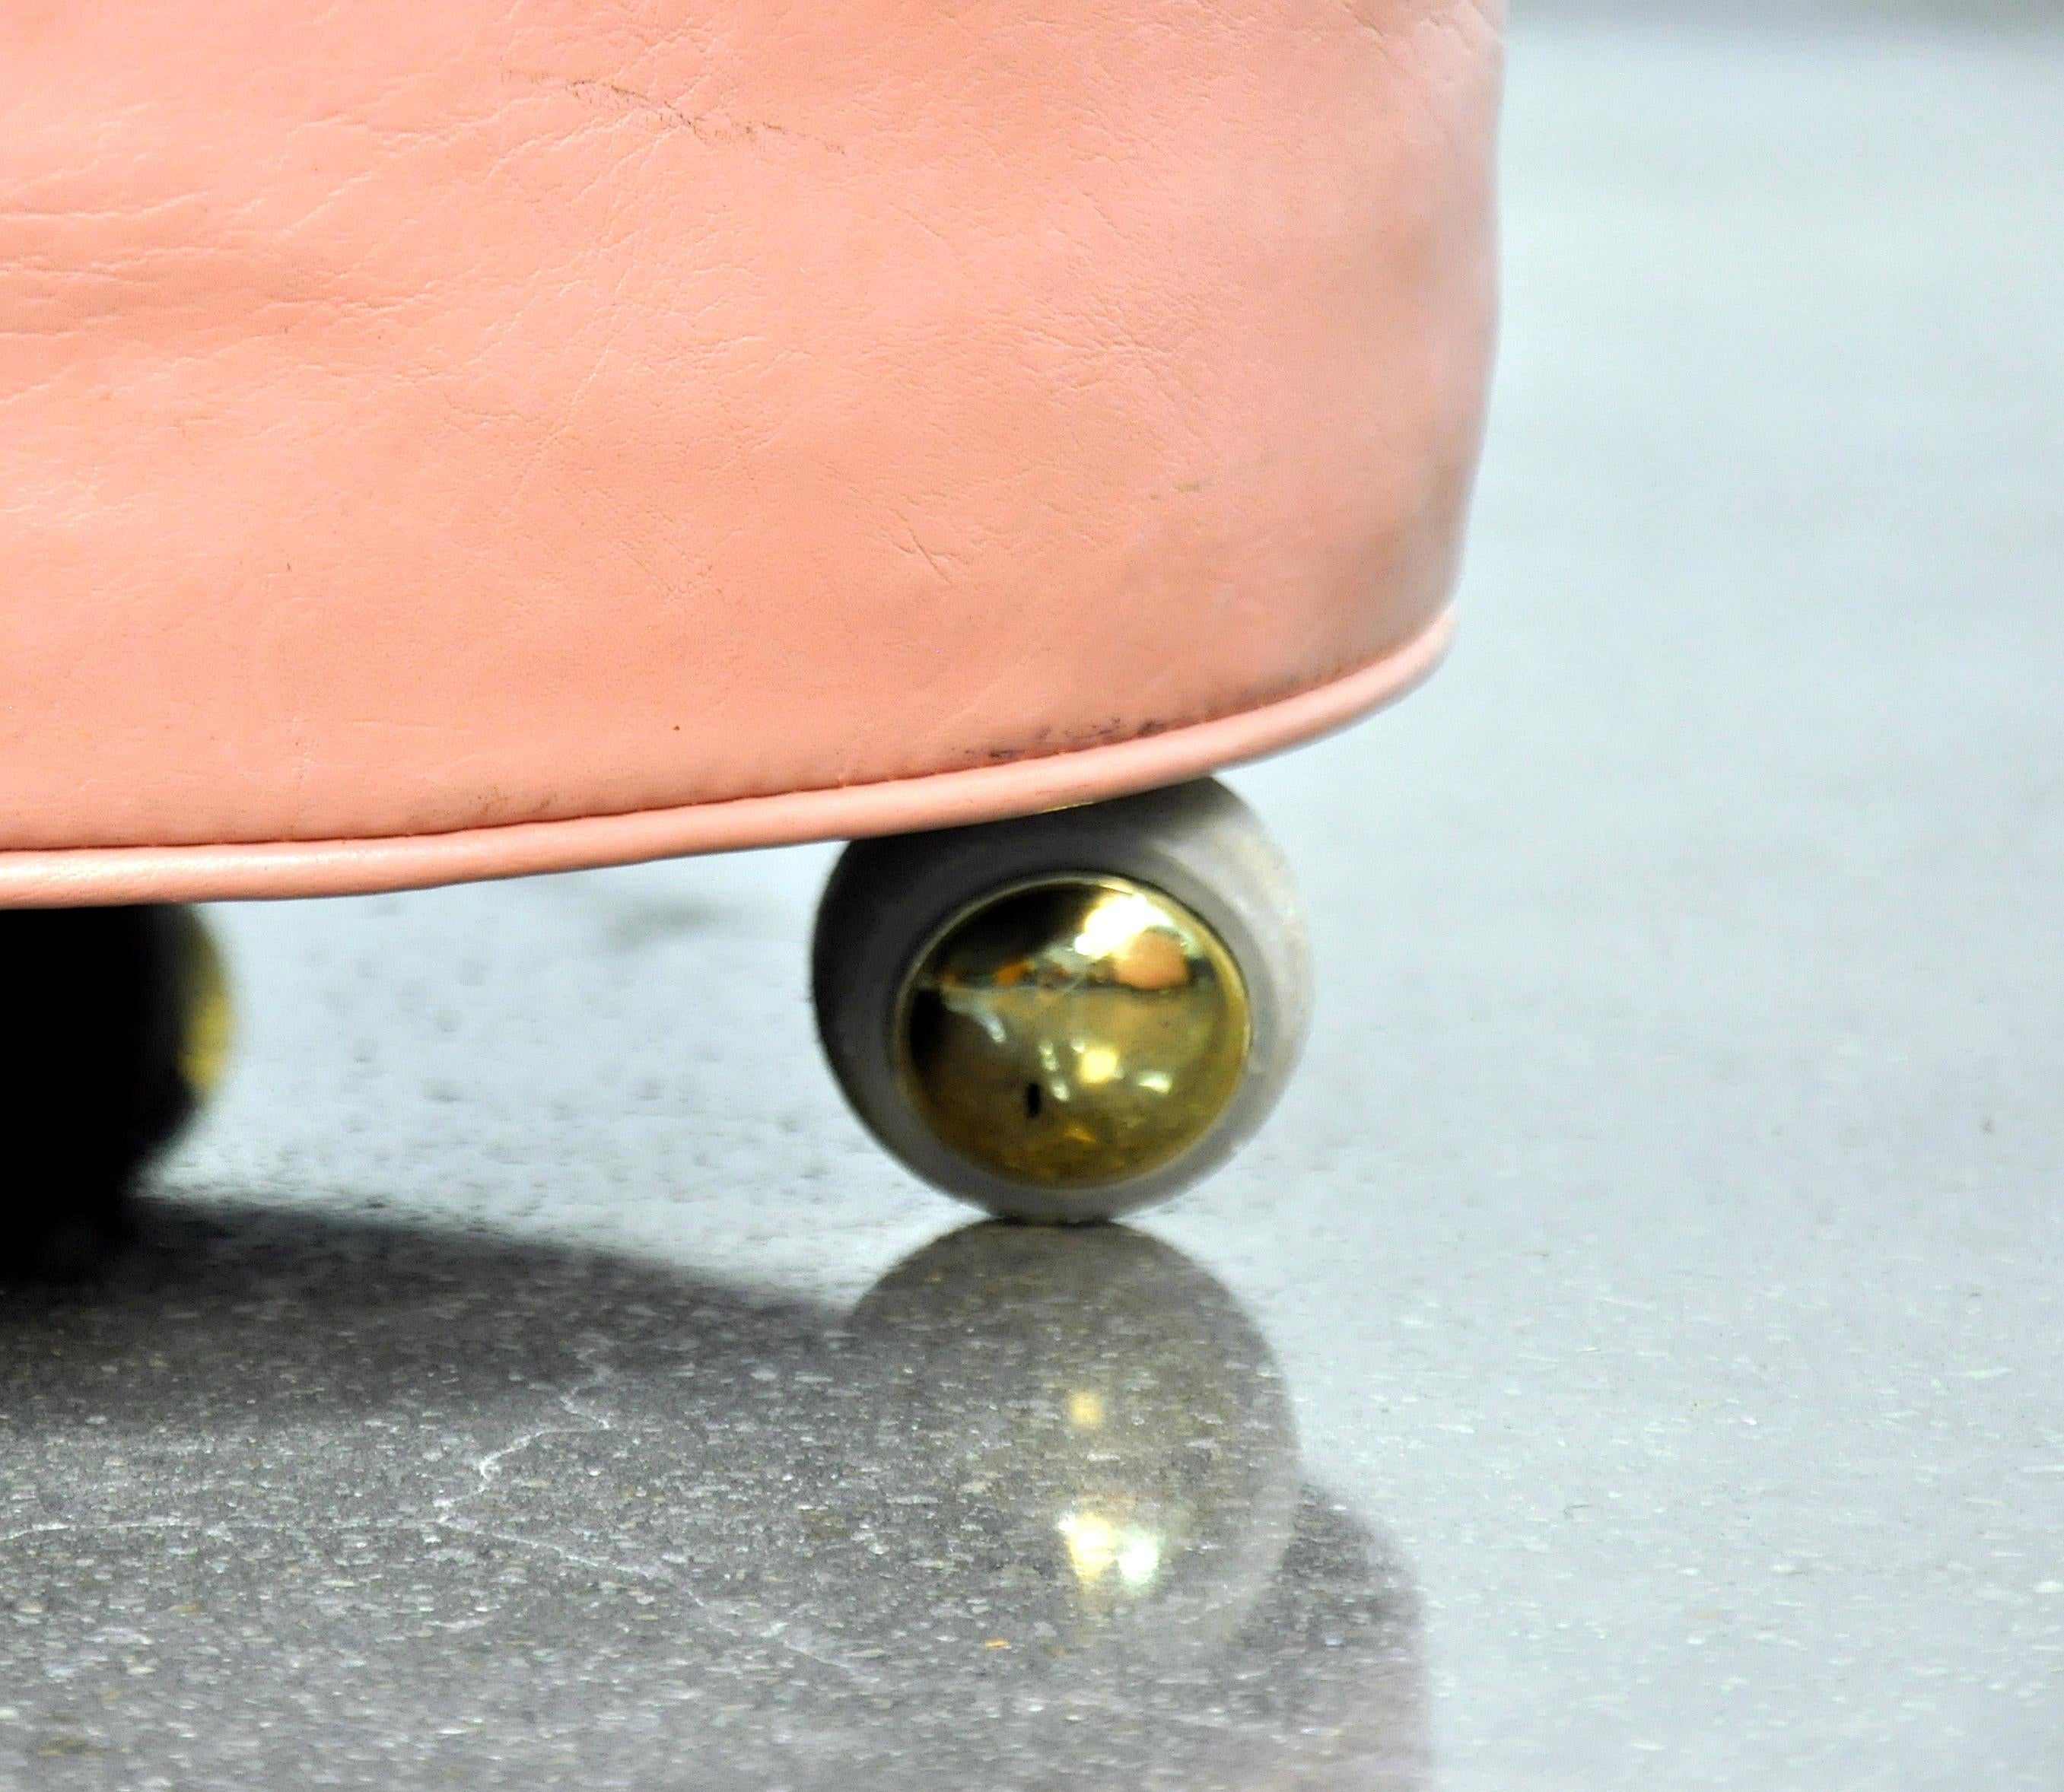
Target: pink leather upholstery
422, 423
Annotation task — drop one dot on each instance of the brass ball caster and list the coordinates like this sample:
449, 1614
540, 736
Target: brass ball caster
1066, 1017
1072, 1031
117, 1028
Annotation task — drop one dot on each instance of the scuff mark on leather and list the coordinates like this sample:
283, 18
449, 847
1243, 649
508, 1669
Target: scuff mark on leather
1044, 743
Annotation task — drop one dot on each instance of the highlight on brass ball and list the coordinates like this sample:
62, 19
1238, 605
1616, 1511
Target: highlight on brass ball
1073, 1031
206, 1014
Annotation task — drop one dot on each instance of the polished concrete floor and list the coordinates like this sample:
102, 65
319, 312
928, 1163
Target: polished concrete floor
1630, 1359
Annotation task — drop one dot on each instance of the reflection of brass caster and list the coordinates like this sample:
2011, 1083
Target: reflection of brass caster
1103, 1415
118, 1028
1069, 1017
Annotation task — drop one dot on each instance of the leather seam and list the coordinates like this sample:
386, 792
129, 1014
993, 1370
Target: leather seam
226, 870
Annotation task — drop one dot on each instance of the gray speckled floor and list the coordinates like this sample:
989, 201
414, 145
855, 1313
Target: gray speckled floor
1630, 1358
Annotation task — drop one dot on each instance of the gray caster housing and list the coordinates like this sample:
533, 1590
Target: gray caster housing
1067, 1017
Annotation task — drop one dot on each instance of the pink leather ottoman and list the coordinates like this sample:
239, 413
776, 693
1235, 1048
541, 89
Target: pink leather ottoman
454, 441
